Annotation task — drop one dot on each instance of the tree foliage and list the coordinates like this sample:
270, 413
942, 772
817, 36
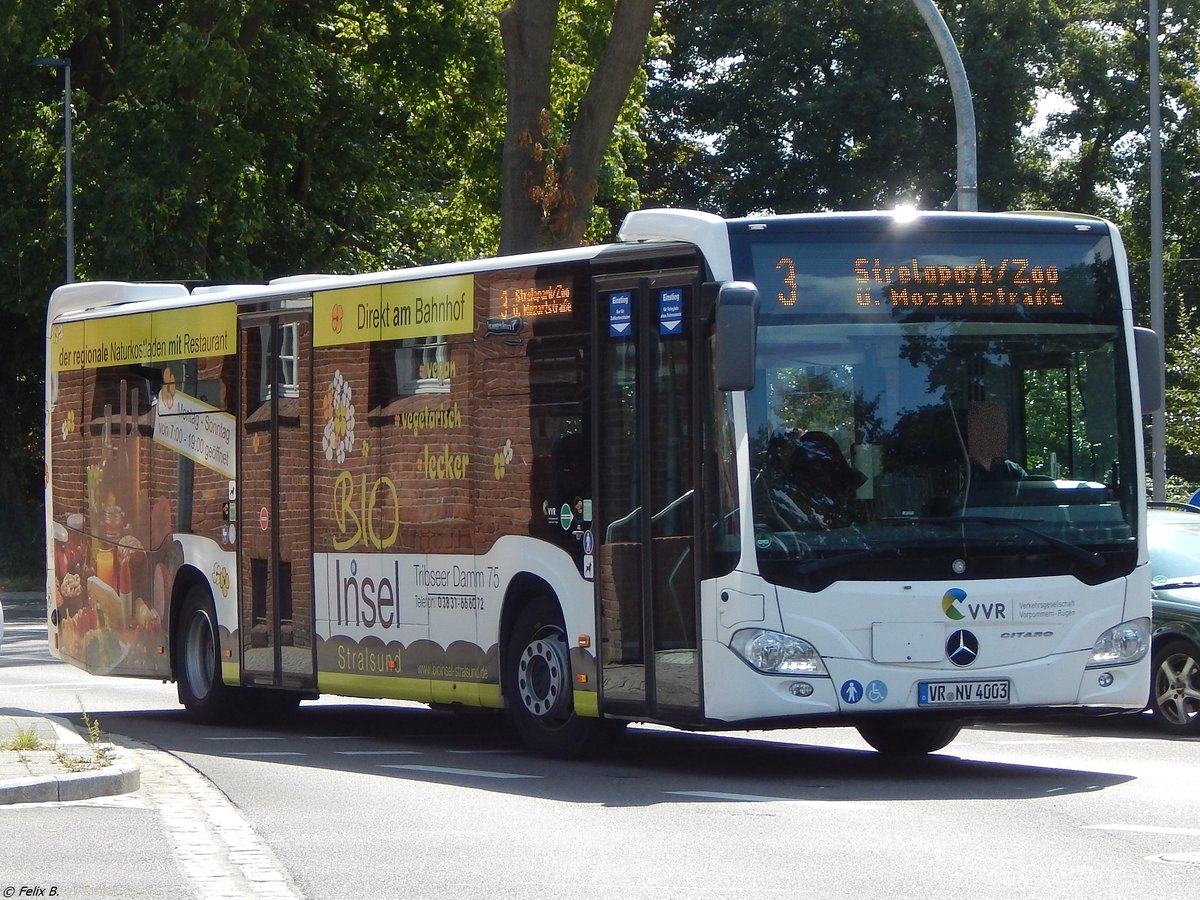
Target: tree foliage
844, 104
837, 104
246, 139
234, 140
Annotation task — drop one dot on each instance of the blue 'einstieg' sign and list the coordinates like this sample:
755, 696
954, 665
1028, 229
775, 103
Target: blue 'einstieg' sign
670, 311
620, 314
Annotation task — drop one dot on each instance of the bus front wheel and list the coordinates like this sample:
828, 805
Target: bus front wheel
909, 740
538, 684
201, 690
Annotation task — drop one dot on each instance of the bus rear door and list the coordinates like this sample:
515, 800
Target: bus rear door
275, 576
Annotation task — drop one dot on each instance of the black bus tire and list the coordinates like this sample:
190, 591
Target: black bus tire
198, 666
909, 740
538, 685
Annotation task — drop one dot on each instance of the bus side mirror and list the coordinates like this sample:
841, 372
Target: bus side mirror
736, 336
1151, 369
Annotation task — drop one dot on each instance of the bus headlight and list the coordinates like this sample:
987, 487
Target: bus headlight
777, 654
1124, 644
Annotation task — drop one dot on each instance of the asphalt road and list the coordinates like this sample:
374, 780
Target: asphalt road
353, 800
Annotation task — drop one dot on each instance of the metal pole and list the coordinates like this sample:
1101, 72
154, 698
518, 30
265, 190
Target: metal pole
69, 190
68, 179
1158, 421
967, 189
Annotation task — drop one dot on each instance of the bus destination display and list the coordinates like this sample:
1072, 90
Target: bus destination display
1009, 279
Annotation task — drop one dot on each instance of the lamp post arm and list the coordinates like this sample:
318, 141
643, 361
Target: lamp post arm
967, 188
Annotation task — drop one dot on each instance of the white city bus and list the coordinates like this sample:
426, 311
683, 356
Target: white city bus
857, 469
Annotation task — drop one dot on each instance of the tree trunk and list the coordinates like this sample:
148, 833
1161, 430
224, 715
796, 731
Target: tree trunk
527, 29
598, 112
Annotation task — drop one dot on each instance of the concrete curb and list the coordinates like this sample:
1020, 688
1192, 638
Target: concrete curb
122, 776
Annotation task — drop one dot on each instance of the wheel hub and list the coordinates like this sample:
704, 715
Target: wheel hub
542, 677
1178, 700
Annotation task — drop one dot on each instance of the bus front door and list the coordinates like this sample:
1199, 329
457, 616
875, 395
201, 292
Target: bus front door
645, 447
275, 577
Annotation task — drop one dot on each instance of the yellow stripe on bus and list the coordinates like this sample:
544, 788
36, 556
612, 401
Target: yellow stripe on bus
587, 703
430, 307
421, 690
145, 338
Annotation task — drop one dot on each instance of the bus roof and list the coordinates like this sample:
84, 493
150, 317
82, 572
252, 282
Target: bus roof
711, 233
86, 299
708, 232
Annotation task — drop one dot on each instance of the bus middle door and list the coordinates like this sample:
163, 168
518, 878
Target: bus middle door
275, 574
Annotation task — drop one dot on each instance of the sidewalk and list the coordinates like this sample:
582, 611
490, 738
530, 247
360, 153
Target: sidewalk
65, 766
68, 768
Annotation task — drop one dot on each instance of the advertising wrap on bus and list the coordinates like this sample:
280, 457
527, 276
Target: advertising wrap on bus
780, 471
385, 616
128, 401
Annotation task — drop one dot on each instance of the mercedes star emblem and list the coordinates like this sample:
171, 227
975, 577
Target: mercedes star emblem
962, 647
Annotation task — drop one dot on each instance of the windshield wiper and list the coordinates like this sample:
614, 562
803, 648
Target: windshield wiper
1174, 585
1091, 558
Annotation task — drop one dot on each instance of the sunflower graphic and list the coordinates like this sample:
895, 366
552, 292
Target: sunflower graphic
338, 437
221, 578
502, 459
68, 425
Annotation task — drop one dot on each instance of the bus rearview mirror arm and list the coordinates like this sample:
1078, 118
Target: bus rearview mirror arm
736, 336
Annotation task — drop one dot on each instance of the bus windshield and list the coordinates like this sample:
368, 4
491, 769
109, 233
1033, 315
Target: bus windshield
935, 404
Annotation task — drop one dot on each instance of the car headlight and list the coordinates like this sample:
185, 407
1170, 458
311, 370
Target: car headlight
1124, 644
776, 653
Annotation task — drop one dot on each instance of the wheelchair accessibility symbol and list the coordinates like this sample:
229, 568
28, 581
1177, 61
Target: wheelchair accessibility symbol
876, 691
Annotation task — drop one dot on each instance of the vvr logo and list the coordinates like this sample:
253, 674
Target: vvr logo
956, 608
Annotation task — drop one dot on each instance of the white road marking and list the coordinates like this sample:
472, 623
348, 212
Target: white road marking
721, 795
470, 773
50, 685
266, 753
339, 737
13, 657
1147, 829
378, 752
244, 737
487, 752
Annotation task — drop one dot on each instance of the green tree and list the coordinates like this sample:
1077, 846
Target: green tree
837, 104
238, 140
254, 139
31, 108
232, 140
1099, 162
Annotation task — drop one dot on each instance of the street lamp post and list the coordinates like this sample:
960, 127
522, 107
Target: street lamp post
1158, 422
964, 110
69, 188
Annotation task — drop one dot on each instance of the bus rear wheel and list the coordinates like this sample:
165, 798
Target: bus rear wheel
538, 685
909, 740
201, 690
